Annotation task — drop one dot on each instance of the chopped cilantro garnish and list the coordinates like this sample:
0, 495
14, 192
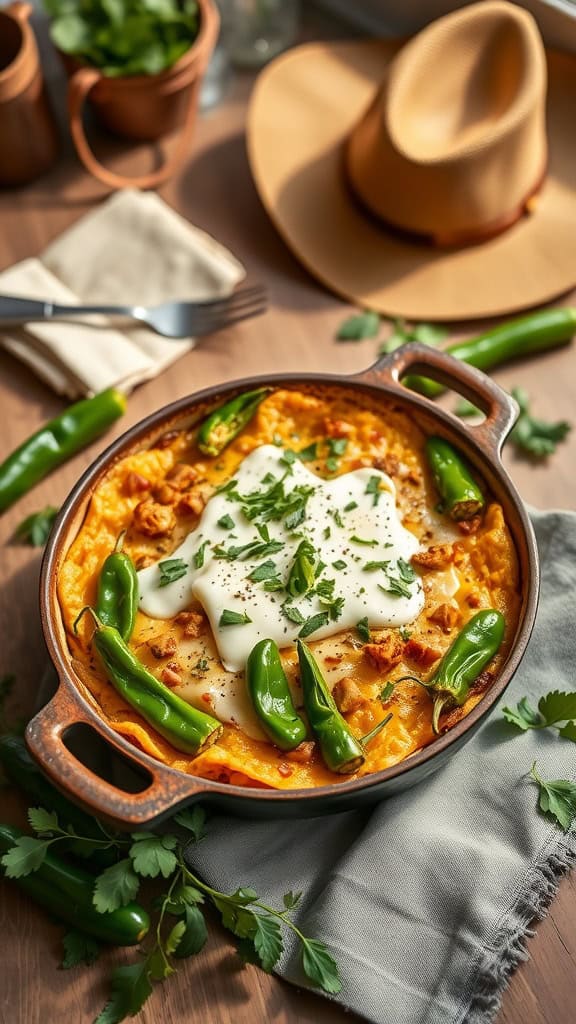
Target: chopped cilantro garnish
171, 569
266, 571
231, 618
339, 564
350, 506
293, 614
362, 540
373, 488
226, 522
314, 623
198, 557
371, 566
363, 630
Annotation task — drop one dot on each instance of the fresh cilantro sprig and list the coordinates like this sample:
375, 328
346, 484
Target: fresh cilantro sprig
359, 326
35, 529
557, 798
180, 929
532, 436
556, 710
171, 569
403, 333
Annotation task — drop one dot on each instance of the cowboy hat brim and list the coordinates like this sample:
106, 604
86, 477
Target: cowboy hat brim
303, 108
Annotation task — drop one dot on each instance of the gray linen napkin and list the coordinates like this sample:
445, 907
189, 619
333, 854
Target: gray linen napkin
425, 899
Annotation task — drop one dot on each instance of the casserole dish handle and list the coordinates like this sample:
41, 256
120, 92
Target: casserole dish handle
499, 408
162, 790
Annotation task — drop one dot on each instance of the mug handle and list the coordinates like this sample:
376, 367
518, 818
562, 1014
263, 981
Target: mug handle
79, 87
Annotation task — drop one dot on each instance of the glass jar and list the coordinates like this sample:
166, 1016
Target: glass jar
255, 31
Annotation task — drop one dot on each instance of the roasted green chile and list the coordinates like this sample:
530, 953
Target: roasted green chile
117, 601
465, 659
56, 442
340, 749
185, 727
537, 332
270, 694
461, 497
225, 423
22, 770
66, 891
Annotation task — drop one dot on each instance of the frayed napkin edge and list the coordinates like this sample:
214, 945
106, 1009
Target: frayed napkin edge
508, 950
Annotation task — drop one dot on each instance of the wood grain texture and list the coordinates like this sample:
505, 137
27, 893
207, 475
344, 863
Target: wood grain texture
215, 192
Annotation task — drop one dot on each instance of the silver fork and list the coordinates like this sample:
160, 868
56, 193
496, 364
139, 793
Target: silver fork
171, 319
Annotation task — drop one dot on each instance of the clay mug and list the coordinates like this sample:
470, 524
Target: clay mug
143, 107
28, 139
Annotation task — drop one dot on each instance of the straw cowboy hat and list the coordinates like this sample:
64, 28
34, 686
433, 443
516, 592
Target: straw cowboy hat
425, 180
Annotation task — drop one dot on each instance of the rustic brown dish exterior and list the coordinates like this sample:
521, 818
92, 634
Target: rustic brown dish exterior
164, 790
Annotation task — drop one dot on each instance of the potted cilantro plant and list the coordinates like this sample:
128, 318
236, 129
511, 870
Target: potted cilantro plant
140, 63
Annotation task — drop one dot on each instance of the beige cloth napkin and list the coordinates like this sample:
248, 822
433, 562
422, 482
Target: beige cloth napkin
132, 249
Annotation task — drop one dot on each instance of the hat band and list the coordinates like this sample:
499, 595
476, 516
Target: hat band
465, 236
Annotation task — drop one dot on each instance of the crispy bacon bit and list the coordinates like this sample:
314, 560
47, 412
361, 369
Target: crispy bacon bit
420, 652
480, 685
483, 681
473, 600
337, 428
436, 557
348, 695
285, 770
163, 646
467, 526
166, 494
170, 678
302, 754
387, 464
207, 698
446, 616
384, 654
333, 659
182, 476
144, 561
135, 483
192, 623
153, 519
193, 502
413, 474
166, 440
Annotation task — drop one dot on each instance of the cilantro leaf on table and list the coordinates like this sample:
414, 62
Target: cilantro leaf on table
153, 855
267, 940
35, 529
131, 987
116, 886
402, 334
554, 709
43, 821
359, 326
532, 436
79, 949
557, 798
193, 819
26, 856
194, 935
320, 967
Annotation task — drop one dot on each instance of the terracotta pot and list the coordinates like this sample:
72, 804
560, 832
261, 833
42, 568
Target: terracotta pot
159, 790
28, 140
143, 107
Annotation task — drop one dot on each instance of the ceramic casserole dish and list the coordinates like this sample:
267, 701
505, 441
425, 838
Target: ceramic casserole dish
62, 732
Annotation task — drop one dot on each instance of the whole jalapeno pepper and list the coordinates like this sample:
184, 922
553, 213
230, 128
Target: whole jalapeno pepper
185, 727
225, 423
117, 601
21, 769
460, 494
465, 659
270, 694
537, 332
66, 891
56, 442
341, 751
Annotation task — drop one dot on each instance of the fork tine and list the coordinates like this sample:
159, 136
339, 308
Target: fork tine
228, 301
201, 316
209, 324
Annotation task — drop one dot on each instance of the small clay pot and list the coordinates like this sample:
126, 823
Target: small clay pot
28, 139
142, 107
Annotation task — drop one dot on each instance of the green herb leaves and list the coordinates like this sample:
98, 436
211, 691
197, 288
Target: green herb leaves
313, 624
171, 569
359, 326
557, 798
124, 38
35, 529
535, 437
117, 886
320, 967
232, 618
556, 710
402, 334
302, 572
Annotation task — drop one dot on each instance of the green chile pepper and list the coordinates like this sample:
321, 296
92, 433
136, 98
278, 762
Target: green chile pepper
185, 727
460, 494
22, 770
225, 423
66, 891
465, 659
268, 688
537, 332
117, 601
56, 442
341, 751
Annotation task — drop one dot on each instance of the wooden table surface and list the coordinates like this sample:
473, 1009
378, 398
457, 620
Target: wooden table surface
215, 191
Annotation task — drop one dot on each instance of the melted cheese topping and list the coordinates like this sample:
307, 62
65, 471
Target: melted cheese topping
361, 553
